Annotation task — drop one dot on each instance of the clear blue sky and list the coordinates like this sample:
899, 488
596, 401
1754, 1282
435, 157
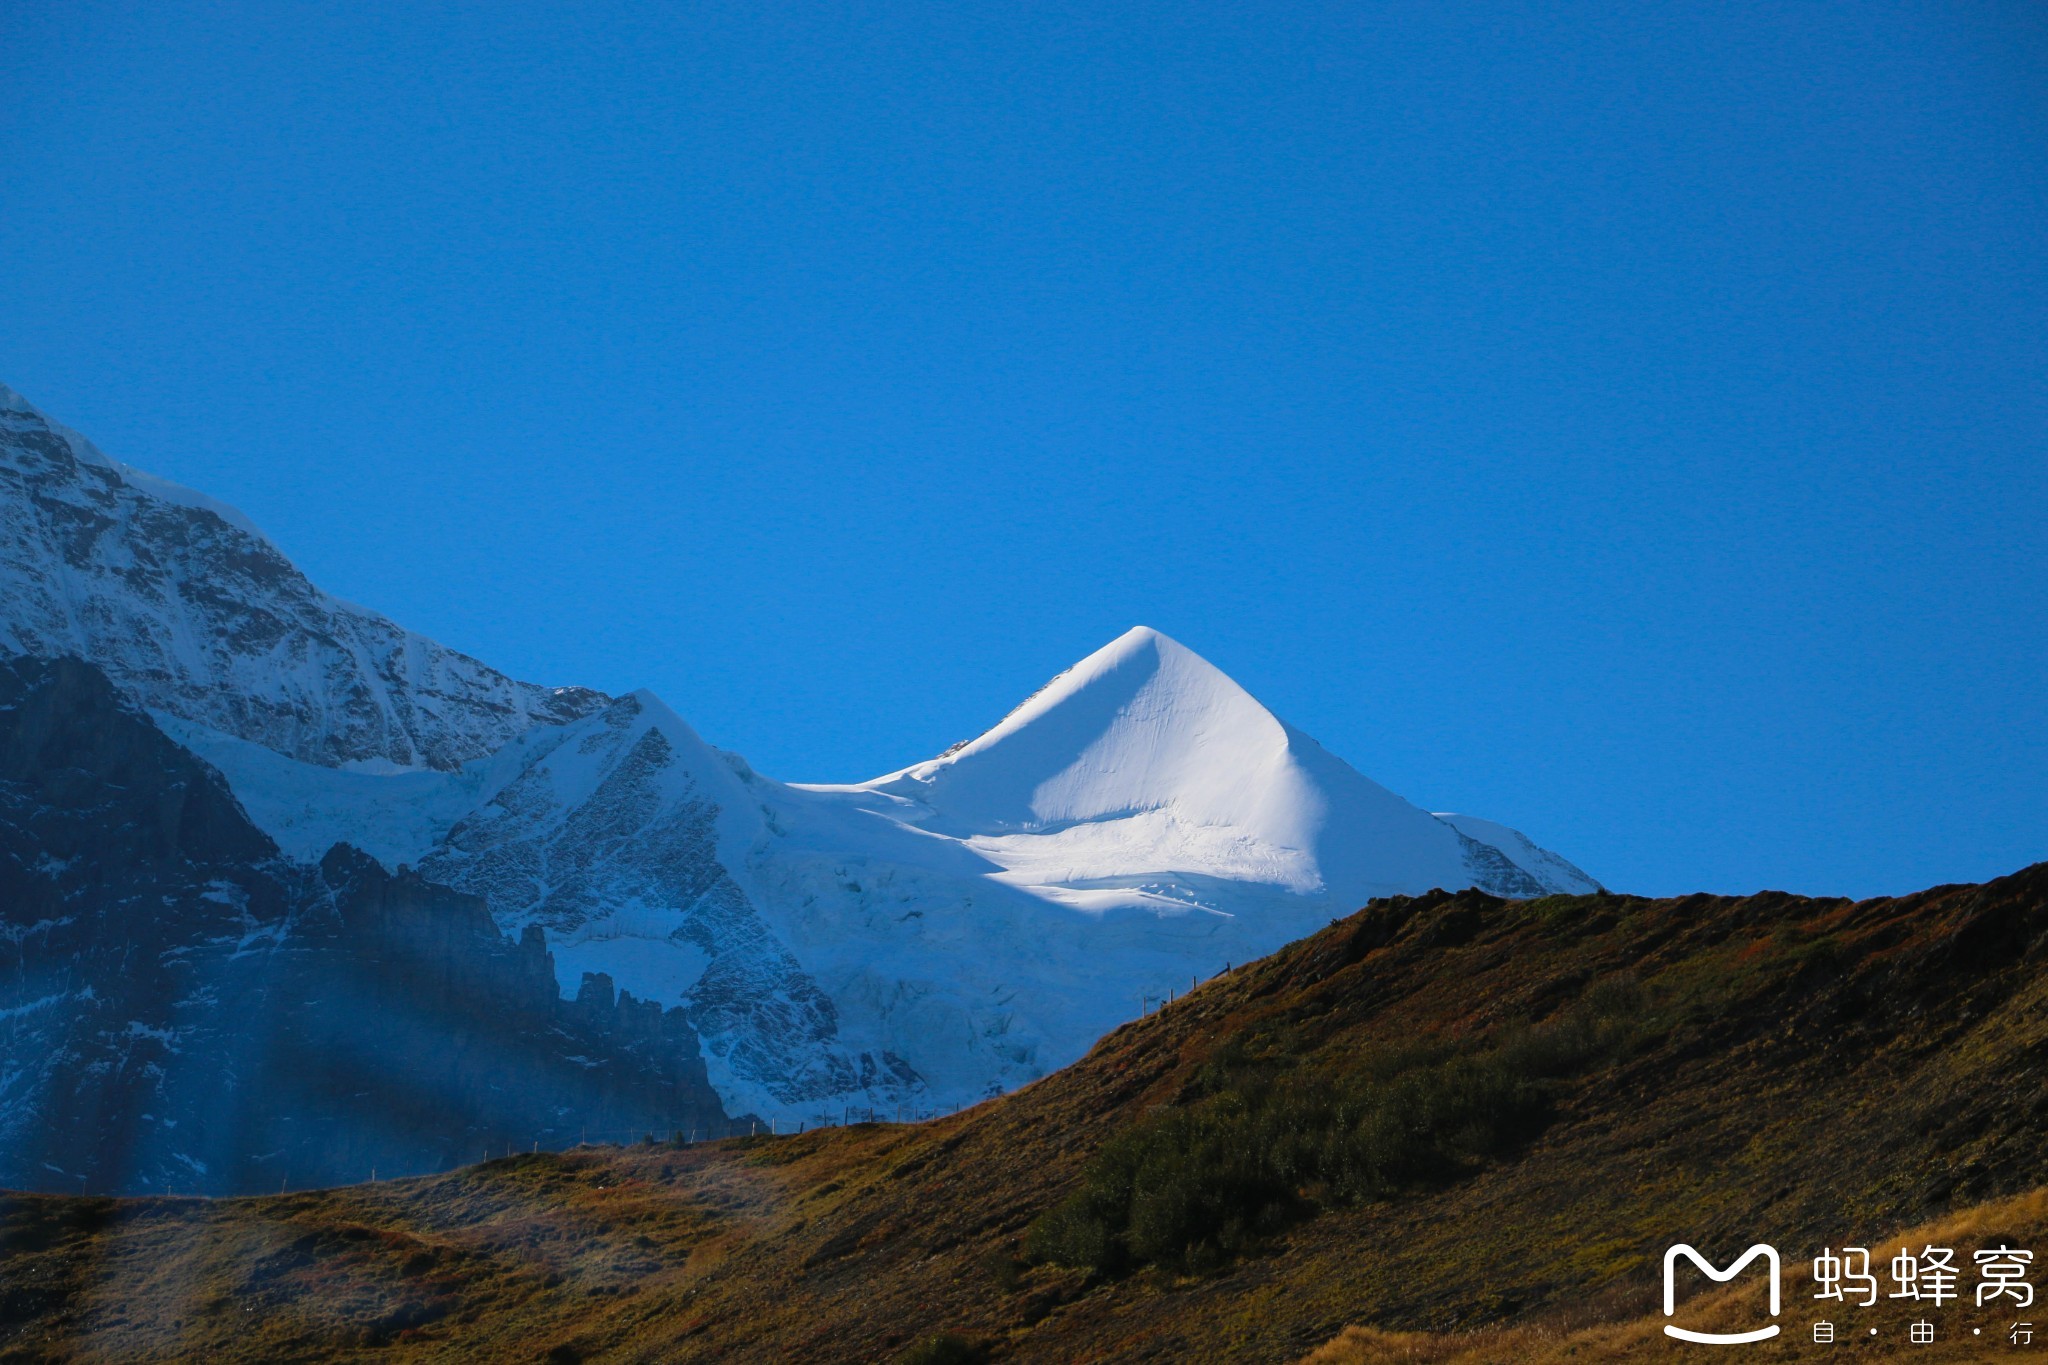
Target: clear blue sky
1628, 422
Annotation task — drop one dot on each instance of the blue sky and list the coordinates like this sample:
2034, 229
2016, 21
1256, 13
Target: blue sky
1629, 425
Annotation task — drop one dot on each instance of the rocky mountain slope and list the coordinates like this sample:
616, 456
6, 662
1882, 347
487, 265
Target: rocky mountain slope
186, 1009
1575, 1082
917, 942
193, 612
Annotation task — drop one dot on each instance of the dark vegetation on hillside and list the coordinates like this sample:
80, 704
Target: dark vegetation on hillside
1266, 1136
1445, 1114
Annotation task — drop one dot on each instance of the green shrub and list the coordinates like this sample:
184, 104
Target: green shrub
945, 1349
1263, 1137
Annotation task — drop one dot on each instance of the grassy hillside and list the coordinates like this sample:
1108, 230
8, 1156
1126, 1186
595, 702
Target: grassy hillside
1963, 1335
1442, 1116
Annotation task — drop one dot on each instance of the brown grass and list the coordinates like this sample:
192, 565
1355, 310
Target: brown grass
2023, 1219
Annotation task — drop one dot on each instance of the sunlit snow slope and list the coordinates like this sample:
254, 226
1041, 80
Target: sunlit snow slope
1145, 768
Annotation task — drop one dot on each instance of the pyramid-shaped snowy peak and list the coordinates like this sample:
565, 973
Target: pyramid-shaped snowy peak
1144, 723
1146, 759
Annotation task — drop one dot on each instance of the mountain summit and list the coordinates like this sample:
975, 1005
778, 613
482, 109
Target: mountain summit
1142, 724
1145, 759
196, 614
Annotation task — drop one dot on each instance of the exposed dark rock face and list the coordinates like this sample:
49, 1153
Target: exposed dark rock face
181, 1007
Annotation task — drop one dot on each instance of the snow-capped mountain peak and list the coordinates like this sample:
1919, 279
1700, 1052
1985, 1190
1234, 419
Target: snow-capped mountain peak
197, 615
1146, 762
15, 408
1142, 724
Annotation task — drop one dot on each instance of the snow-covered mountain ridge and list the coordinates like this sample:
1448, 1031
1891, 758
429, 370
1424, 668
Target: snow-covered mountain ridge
961, 925
196, 614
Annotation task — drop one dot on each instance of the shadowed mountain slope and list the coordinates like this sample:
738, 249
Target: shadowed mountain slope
1443, 1113
182, 1008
